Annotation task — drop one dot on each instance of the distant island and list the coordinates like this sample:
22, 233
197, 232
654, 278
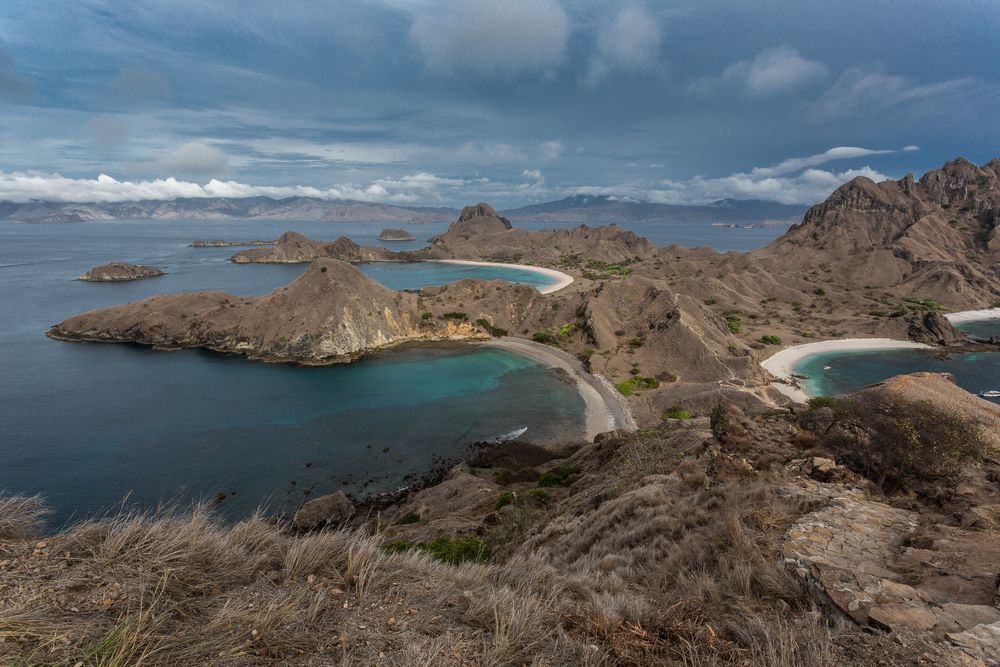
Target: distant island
116, 272
396, 235
219, 243
579, 208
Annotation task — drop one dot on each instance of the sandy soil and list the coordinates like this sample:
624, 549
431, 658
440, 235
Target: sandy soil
973, 315
606, 408
562, 279
782, 364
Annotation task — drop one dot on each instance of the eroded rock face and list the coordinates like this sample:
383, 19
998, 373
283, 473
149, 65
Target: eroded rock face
294, 248
332, 509
120, 272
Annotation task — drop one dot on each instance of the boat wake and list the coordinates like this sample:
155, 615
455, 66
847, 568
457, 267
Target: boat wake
507, 437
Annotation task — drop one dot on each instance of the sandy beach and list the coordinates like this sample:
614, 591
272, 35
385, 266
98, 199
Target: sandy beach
973, 315
562, 279
606, 408
782, 364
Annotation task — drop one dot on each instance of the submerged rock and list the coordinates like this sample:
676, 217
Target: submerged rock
120, 272
330, 509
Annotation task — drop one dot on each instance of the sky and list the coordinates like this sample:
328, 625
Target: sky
447, 102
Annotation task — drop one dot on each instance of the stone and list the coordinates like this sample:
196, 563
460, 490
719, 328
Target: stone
966, 616
982, 641
897, 617
330, 509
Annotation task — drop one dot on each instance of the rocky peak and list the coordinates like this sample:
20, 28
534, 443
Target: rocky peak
482, 210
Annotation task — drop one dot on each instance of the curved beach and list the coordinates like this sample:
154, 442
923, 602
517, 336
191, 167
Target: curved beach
973, 315
782, 364
606, 408
562, 279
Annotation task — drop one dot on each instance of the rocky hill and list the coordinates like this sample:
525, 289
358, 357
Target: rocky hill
606, 209
117, 272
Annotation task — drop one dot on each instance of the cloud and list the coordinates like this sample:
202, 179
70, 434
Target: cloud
774, 71
553, 149
870, 90
40, 186
911, 148
488, 37
533, 174
630, 42
194, 158
12, 84
796, 163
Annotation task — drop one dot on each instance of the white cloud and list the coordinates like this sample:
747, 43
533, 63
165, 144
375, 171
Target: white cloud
772, 72
911, 148
630, 42
796, 163
553, 149
485, 36
534, 174
194, 158
40, 186
864, 91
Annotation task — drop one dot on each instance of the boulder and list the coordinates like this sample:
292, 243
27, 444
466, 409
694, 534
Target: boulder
331, 509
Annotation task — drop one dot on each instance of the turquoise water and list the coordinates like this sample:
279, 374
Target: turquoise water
419, 274
840, 372
88, 425
981, 329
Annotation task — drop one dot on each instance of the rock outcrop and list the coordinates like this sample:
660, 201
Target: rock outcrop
396, 235
329, 510
294, 248
120, 272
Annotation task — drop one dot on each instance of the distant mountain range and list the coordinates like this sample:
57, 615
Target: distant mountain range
579, 208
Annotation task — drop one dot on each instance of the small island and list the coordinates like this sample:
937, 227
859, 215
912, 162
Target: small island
396, 235
220, 243
116, 272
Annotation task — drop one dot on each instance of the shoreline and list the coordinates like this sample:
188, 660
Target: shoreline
562, 279
973, 315
606, 408
782, 364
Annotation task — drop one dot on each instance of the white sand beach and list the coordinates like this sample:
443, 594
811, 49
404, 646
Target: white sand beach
782, 364
973, 315
606, 408
562, 279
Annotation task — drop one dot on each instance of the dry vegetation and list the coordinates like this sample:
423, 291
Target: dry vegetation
653, 548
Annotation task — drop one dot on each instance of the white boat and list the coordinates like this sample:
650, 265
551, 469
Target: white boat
992, 393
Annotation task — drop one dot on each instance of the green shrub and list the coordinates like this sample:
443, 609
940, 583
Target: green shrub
676, 412
634, 384
494, 331
558, 477
734, 323
636, 343
426, 316
770, 340
506, 499
819, 291
454, 551
545, 337
408, 518
541, 495
455, 315
565, 330
711, 302
322, 269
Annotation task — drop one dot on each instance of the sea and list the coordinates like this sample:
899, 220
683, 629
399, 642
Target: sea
96, 427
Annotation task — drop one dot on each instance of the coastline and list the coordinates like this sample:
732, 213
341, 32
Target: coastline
606, 408
562, 279
782, 364
973, 315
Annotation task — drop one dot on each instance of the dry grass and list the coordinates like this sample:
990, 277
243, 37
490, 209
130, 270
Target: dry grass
658, 554
21, 516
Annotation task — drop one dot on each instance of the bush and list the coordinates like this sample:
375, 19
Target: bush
545, 337
454, 551
819, 291
455, 315
636, 342
770, 340
558, 477
506, 499
676, 412
902, 445
494, 331
734, 323
408, 518
427, 315
541, 495
322, 269
711, 302
634, 384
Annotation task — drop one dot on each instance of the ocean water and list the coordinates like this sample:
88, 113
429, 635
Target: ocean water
840, 372
91, 425
420, 274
